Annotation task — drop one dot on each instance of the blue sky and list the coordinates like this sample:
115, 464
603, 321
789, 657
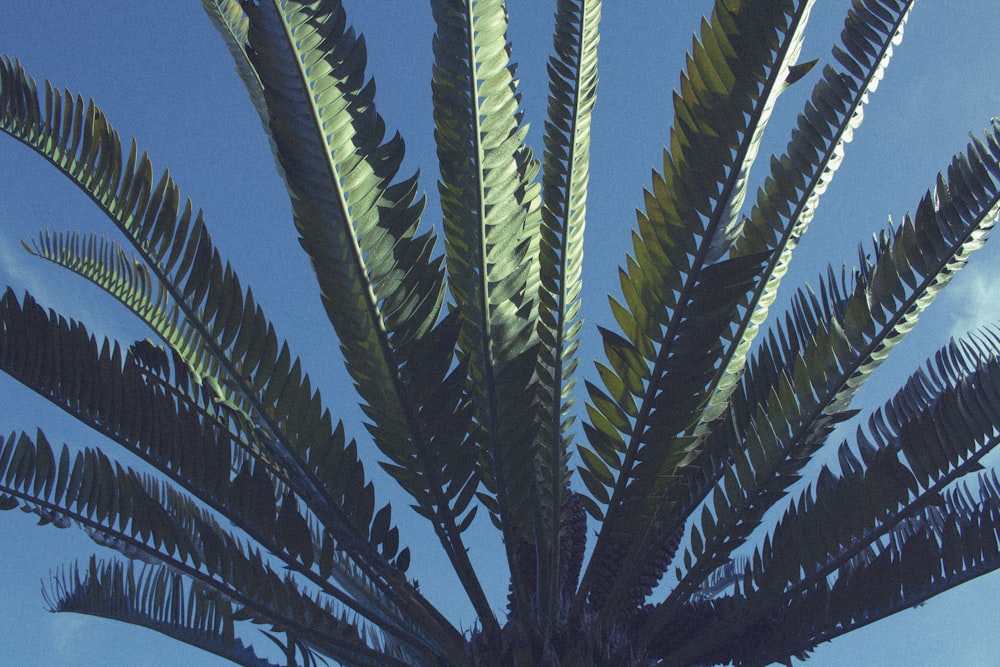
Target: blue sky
161, 74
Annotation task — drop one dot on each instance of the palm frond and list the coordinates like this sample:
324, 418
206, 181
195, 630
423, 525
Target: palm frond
788, 200
946, 545
682, 295
138, 404
380, 286
233, 25
785, 206
155, 598
351, 219
155, 523
111, 391
491, 216
565, 175
845, 337
931, 435
177, 250
881, 497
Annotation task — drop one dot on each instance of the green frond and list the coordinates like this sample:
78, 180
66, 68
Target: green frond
114, 392
177, 250
125, 277
177, 260
837, 530
190, 441
380, 286
785, 205
491, 217
565, 174
110, 503
790, 195
934, 432
357, 227
233, 25
870, 541
844, 338
267, 375
944, 546
683, 296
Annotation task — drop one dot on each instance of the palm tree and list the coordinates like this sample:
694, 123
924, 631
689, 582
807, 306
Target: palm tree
694, 431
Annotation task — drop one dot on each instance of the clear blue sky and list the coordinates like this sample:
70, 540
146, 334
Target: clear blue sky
161, 74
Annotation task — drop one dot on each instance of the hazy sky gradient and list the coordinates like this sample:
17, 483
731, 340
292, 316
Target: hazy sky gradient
160, 73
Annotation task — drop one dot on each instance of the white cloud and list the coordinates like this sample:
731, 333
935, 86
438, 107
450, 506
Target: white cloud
973, 300
66, 633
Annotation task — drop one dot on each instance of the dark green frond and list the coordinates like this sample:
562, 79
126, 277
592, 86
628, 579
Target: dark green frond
846, 337
253, 368
682, 295
138, 402
881, 497
944, 546
154, 523
111, 504
491, 217
565, 174
379, 284
934, 432
118, 395
154, 598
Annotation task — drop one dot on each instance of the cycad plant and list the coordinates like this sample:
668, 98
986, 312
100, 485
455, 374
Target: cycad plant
657, 530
